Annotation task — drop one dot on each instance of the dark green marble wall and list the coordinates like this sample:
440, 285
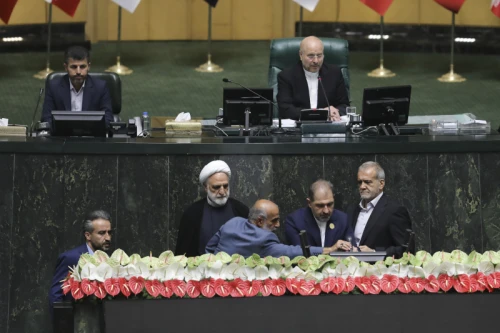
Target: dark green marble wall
453, 199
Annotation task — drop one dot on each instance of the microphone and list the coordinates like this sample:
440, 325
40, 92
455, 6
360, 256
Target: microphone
279, 130
34, 113
320, 81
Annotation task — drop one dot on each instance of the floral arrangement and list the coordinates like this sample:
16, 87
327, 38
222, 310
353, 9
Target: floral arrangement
168, 276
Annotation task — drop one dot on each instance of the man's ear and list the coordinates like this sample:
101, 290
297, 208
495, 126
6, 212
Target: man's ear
87, 235
309, 202
382, 184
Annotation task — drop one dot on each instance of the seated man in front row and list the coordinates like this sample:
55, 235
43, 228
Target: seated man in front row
299, 87
256, 235
324, 225
78, 90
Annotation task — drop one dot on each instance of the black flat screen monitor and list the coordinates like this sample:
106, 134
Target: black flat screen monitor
237, 100
78, 123
386, 105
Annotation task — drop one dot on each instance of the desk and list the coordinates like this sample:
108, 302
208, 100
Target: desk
449, 185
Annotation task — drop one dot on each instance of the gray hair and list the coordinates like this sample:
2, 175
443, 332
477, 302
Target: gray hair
380, 173
95, 215
319, 184
255, 214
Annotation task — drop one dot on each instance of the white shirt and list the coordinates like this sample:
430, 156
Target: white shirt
322, 230
76, 97
364, 216
312, 84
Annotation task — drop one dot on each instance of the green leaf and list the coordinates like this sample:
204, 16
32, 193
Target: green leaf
324, 259
424, 257
474, 259
254, 260
135, 258
150, 261
100, 256
166, 258
491, 256
224, 257
285, 261
87, 258
192, 262
441, 256
113, 263
182, 260
458, 256
121, 257
238, 259
303, 263
313, 263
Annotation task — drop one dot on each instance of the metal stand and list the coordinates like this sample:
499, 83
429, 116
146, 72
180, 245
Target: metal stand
209, 66
41, 75
381, 71
119, 68
301, 20
246, 131
451, 76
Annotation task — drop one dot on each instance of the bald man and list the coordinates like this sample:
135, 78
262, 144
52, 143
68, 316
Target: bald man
299, 86
256, 235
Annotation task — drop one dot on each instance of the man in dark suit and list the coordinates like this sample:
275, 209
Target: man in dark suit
379, 222
256, 235
97, 232
299, 87
76, 91
203, 219
325, 225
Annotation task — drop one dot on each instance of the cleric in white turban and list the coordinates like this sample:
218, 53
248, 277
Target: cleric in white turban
204, 217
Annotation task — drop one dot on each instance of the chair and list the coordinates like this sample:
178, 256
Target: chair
114, 84
285, 53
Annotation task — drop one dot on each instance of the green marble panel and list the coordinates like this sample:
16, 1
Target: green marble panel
490, 200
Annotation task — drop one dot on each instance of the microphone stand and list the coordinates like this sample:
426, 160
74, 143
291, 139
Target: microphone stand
34, 113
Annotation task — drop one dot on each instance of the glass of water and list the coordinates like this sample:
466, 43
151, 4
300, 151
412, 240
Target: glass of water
350, 110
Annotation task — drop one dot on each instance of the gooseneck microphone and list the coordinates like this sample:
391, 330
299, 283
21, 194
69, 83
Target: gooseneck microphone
279, 130
34, 113
320, 81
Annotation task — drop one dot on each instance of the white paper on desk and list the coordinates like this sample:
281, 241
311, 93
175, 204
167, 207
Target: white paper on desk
475, 121
4, 122
285, 123
310, 5
183, 116
138, 124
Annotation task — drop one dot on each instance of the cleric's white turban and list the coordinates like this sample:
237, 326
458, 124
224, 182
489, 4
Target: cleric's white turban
213, 168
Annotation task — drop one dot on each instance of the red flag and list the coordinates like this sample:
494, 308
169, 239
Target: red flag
380, 6
212, 3
67, 6
452, 5
6, 8
495, 7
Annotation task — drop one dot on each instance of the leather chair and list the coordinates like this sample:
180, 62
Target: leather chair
114, 84
285, 53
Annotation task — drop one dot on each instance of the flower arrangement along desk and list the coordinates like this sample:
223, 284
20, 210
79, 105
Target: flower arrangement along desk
450, 292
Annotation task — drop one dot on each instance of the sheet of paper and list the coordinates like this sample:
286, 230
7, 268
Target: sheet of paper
310, 5
4, 122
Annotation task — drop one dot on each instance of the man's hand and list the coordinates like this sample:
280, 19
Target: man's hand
364, 248
341, 245
334, 114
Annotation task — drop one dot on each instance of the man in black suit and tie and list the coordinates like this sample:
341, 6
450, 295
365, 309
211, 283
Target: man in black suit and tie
299, 87
379, 222
77, 91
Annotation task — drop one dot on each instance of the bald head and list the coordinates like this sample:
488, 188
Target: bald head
265, 214
311, 53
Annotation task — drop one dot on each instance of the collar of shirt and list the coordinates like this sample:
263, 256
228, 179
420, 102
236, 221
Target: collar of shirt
72, 88
372, 203
89, 249
311, 75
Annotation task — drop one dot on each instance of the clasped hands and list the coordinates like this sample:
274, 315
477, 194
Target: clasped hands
334, 114
346, 246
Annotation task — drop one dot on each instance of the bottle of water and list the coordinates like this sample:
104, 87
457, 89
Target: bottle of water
146, 124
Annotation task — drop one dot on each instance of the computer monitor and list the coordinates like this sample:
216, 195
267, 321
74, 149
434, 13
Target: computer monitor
78, 123
386, 105
237, 100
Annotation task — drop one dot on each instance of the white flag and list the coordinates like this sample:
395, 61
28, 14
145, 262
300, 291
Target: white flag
129, 5
307, 4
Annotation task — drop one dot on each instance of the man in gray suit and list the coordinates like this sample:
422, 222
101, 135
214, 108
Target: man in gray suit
256, 235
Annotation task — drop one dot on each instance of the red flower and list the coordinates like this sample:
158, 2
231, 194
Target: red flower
112, 286
309, 288
462, 283
222, 288
349, 284
445, 282
375, 287
66, 286
265, 288
254, 288
404, 286
363, 283
167, 290
192, 289
124, 288
389, 283
239, 287
483, 282
292, 285
431, 284
136, 284
207, 288
494, 280
100, 291
153, 287
179, 287
474, 285
88, 287
278, 287
76, 291
339, 285
417, 284
327, 284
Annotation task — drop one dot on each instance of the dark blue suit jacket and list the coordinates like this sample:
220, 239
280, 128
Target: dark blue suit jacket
67, 259
58, 97
303, 219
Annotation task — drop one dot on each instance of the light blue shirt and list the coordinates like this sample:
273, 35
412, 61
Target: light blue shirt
89, 249
76, 97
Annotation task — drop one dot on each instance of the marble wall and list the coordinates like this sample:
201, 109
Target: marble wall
453, 199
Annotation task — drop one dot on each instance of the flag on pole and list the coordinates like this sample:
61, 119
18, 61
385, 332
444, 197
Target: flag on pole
129, 5
452, 5
380, 6
212, 3
67, 6
310, 5
6, 8
495, 7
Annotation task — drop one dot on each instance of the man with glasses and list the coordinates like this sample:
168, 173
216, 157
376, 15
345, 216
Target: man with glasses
203, 219
379, 222
301, 86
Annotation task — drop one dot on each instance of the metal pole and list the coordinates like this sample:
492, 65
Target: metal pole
381, 40
452, 39
209, 67
49, 37
209, 33
119, 38
301, 20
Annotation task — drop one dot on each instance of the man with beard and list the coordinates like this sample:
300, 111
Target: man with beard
203, 218
78, 90
325, 225
379, 222
256, 235
97, 232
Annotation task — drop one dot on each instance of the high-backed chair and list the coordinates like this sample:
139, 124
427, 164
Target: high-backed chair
285, 53
113, 82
